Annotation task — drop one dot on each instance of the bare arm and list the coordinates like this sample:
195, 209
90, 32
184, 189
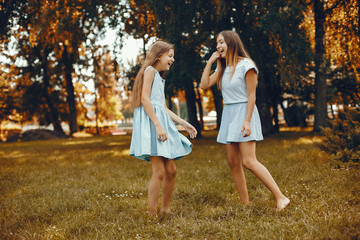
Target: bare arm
208, 80
148, 107
188, 127
251, 82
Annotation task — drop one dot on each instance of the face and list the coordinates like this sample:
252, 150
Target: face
221, 46
166, 60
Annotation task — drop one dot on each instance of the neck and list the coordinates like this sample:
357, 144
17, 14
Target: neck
157, 68
229, 62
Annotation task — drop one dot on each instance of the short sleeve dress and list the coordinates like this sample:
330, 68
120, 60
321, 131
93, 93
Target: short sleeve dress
234, 92
144, 142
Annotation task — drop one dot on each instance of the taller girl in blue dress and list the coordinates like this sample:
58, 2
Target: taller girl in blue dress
155, 137
236, 76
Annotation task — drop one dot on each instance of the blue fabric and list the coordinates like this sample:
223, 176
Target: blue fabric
232, 120
144, 142
234, 90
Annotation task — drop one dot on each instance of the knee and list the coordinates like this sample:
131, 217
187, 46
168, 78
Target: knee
159, 173
171, 171
233, 161
249, 163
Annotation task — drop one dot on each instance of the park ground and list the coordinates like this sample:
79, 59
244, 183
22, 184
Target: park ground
90, 188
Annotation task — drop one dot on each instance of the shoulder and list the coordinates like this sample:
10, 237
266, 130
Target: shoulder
248, 64
245, 62
150, 69
149, 73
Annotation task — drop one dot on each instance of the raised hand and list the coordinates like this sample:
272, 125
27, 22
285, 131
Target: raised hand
215, 56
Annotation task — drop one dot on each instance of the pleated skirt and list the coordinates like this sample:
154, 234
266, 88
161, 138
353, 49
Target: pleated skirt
232, 120
144, 142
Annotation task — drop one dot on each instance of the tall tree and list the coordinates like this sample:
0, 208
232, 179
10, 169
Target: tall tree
35, 50
320, 66
343, 35
184, 23
272, 34
107, 105
65, 26
323, 12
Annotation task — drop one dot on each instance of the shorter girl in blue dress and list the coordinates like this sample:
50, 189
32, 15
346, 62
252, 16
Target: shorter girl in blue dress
240, 127
155, 137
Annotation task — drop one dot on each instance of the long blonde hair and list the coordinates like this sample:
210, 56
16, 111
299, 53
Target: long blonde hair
235, 50
157, 49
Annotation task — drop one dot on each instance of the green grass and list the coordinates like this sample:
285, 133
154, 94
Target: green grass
91, 189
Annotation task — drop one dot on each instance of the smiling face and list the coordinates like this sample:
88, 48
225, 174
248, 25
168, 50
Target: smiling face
221, 46
165, 61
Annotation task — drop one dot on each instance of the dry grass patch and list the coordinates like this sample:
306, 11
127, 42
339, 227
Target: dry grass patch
91, 189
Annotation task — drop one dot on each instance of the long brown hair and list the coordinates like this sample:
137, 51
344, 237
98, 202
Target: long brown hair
157, 49
235, 50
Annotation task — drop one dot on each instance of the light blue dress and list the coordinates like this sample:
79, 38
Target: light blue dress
144, 142
234, 92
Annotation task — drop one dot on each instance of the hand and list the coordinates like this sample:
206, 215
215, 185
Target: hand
161, 134
191, 130
215, 56
246, 130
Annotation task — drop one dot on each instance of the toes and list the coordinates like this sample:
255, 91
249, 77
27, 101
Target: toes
283, 205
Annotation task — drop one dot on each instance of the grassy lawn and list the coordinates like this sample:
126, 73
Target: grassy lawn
91, 189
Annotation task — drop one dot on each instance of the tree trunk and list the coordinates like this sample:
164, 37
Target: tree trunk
218, 105
54, 116
53, 113
170, 103
68, 61
275, 116
320, 67
201, 111
144, 46
263, 106
191, 107
358, 6
97, 115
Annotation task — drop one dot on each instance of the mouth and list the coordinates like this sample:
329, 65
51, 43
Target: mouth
221, 52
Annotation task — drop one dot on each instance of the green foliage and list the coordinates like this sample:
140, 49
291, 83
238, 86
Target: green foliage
343, 137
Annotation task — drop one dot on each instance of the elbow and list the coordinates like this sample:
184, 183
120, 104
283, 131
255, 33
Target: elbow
252, 98
144, 100
202, 85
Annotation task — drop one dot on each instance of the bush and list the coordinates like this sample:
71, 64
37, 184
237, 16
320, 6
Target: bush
295, 115
343, 137
35, 134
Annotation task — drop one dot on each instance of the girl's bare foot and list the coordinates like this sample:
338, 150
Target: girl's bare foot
152, 214
165, 212
282, 204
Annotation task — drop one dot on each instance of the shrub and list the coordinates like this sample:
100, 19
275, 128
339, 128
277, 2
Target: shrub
343, 137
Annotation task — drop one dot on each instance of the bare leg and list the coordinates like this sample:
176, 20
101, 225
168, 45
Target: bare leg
158, 172
168, 185
248, 156
237, 171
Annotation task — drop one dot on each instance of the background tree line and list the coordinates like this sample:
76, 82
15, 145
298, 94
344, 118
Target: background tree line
307, 53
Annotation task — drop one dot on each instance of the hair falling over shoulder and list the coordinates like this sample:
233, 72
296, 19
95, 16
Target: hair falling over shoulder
157, 49
235, 50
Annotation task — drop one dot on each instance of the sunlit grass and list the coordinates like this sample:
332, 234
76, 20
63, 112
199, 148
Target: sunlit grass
91, 189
